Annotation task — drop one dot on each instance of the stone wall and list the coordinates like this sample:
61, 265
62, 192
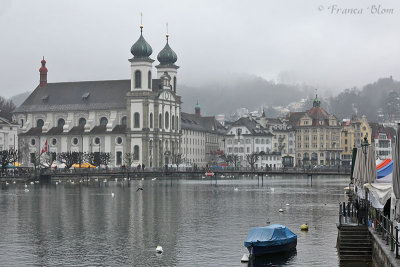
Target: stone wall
381, 254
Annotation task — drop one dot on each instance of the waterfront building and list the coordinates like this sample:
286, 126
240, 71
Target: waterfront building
140, 116
318, 139
382, 139
284, 138
245, 137
202, 138
8, 135
352, 134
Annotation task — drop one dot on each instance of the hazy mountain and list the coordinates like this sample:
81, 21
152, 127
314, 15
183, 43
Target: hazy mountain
247, 91
20, 98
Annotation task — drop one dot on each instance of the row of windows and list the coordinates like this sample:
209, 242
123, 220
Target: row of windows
81, 122
197, 151
193, 141
138, 80
75, 141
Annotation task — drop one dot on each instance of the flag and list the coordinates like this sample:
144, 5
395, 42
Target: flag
44, 149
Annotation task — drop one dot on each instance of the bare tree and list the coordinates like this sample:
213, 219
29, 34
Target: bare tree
128, 159
105, 158
7, 157
252, 159
68, 158
177, 159
233, 158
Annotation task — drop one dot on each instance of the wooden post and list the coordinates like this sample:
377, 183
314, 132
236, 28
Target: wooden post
397, 242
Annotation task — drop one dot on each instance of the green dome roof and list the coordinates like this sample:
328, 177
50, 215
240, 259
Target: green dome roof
167, 56
316, 102
141, 49
197, 106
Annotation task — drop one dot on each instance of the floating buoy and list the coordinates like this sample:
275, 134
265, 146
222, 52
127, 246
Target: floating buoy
159, 249
304, 227
112, 194
280, 210
26, 190
245, 258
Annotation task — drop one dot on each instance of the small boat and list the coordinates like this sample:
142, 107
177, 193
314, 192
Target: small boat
209, 174
270, 239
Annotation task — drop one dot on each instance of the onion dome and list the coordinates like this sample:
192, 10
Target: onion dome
197, 106
141, 49
167, 56
316, 102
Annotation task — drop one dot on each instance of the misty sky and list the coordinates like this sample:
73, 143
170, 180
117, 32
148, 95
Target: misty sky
289, 41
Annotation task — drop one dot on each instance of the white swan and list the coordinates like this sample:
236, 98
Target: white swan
159, 249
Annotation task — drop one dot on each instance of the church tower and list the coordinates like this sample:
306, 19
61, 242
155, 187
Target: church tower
167, 58
141, 64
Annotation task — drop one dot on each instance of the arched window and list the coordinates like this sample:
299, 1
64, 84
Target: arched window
136, 120
177, 122
166, 120
82, 122
103, 121
39, 123
123, 120
138, 79
174, 83
60, 123
149, 79
159, 121
136, 152
173, 122
151, 120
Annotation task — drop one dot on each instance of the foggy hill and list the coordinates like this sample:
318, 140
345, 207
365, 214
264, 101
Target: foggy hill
382, 94
19, 98
227, 95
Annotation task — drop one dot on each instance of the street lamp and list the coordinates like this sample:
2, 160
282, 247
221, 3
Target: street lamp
364, 146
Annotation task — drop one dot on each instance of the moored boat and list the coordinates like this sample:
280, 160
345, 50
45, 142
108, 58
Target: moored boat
270, 239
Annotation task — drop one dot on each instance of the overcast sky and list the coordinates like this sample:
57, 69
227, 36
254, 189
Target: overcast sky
291, 41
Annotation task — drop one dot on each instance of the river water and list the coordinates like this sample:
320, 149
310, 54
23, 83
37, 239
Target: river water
198, 222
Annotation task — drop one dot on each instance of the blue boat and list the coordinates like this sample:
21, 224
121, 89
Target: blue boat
270, 239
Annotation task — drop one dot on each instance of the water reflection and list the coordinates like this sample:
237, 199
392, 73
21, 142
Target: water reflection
196, 222
273, 260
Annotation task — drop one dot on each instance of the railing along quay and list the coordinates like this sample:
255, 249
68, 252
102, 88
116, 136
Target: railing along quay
363, 213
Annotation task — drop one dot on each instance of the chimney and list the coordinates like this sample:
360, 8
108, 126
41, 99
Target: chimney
43, 73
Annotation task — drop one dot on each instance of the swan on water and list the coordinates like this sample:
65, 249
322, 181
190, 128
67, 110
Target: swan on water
159, 249
236, 189
26, 190
112, 194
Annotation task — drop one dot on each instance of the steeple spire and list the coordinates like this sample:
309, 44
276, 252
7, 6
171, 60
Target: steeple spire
43, 74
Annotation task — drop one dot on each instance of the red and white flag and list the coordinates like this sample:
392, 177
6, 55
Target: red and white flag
44, 149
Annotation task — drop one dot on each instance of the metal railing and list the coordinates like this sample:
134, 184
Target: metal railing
361, 212
384, 227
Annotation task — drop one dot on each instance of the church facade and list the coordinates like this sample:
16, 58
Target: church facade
139, 117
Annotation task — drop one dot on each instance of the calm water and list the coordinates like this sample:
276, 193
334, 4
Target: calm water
197, 222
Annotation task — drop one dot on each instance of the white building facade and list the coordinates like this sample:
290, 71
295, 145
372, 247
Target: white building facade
140, 116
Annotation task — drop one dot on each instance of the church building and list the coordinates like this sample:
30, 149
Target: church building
139, 116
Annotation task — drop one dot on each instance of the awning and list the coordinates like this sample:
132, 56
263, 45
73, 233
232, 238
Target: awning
379, 193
